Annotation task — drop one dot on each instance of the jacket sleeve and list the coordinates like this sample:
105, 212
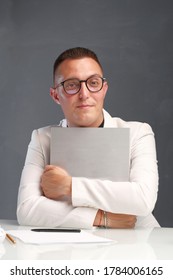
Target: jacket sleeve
35, 209
139, 195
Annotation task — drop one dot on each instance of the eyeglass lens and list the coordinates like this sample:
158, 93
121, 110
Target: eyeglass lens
73, 86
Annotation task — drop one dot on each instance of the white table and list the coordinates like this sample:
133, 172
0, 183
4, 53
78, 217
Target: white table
141, 244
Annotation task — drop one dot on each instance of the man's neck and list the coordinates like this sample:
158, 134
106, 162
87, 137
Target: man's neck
102, 124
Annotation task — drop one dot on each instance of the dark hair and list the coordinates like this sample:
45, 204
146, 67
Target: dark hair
75, 53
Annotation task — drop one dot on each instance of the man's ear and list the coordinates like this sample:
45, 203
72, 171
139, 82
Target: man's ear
105, 87
54, 95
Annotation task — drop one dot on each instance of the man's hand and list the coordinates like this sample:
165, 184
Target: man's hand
120, 220
55, 182
115, 220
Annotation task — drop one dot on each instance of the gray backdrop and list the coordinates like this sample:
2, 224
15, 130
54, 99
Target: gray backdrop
134, 41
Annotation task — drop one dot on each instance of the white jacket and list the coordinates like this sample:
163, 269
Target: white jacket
138, 196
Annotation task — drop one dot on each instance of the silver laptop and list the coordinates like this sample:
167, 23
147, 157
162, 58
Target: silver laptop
101, 153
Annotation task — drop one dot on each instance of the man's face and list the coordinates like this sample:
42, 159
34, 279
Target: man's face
83, 109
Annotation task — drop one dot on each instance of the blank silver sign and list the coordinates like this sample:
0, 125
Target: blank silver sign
101, 153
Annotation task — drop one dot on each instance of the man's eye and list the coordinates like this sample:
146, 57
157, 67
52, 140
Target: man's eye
94, 82
71, 85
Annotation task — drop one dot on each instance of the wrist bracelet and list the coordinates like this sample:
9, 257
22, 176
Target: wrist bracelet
100, 222
105, 219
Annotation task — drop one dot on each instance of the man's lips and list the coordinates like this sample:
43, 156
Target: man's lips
84, 106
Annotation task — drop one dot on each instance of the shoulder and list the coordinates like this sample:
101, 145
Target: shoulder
42, 132
42, 135
137, 129
133, 125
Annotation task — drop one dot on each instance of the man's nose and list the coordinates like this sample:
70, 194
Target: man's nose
84, 92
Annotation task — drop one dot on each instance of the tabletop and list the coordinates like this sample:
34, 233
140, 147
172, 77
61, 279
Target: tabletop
139, 243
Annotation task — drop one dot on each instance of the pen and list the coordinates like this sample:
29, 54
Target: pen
10, 238
55, 230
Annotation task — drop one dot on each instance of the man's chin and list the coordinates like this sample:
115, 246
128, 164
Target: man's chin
84, 119
87, 122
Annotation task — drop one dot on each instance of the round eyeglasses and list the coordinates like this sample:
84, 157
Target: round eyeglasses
73, 86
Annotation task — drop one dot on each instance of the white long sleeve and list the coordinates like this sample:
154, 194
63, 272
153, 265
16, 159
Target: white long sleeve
136, 197
34, 208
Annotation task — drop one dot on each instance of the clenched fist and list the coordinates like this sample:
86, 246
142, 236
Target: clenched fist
55, 182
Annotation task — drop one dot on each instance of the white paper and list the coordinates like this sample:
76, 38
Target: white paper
31, 237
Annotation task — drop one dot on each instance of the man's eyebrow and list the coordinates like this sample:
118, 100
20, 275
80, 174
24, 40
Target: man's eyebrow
60, 77
93, 75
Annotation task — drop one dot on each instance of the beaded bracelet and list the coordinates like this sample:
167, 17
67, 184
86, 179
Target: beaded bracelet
105, 219
101, 214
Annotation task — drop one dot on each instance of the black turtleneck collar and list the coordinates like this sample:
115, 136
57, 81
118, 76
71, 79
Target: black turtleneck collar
101, 125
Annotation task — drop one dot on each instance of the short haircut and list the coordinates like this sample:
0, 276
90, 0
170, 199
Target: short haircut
75, 53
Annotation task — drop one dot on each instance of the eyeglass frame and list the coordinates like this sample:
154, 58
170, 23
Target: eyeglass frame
81, 81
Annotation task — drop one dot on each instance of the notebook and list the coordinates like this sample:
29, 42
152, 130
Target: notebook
101, 153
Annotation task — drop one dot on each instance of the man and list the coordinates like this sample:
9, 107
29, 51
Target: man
49, 196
